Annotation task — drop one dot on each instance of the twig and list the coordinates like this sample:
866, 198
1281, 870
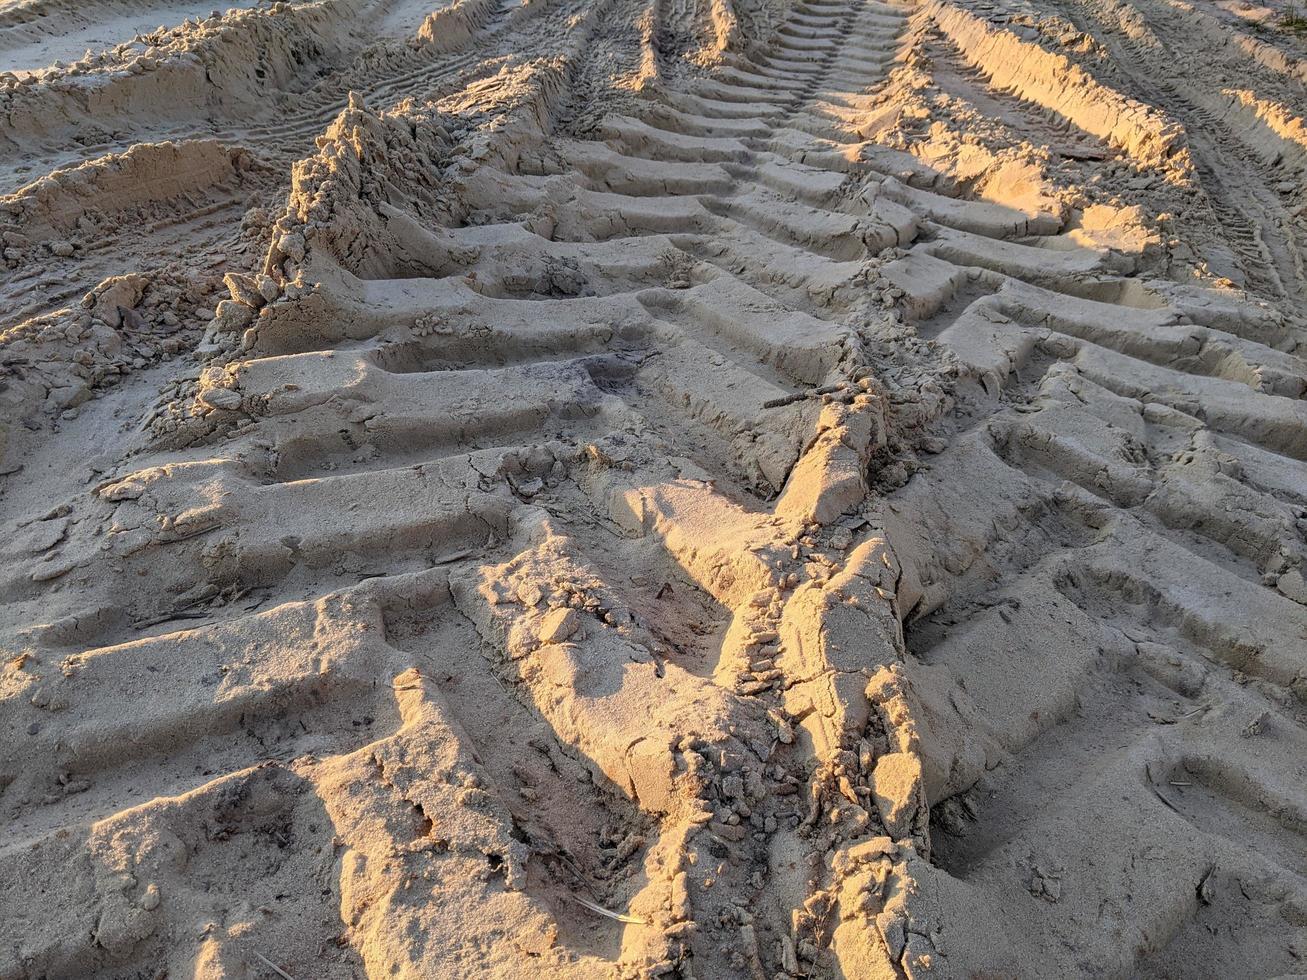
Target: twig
799, 396
169, 617
1157, 792
271, 965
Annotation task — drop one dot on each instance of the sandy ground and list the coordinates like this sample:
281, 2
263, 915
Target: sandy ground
43, 42
653, 488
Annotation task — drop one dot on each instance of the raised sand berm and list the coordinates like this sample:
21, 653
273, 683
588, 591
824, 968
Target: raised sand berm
1029, 71
1213, 32
1271, 129
212, 68
53, 208
1262, 104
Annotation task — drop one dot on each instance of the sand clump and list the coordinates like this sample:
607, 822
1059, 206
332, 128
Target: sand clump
619, 489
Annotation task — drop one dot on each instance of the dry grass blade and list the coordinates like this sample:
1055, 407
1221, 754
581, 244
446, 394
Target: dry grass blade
619, 916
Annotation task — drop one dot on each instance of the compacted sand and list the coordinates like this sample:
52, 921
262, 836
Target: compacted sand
653, 488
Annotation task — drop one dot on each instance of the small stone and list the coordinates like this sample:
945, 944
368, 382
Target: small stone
528, 488
52, 569
230, 316
896, 787
221, 398
292, 246
680, 896
150, 900
62, 249
1256, 726
784, 730
1292, 584
727, 831
559, 625
110, 298
1206, 889
789, 956
243, 289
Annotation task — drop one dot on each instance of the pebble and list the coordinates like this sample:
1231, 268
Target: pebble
230, 316
1292, 584
559, 625
727, 831
52, 570
789, 955
150, 900
221, 398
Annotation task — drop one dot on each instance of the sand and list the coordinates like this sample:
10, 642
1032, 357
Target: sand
606, 488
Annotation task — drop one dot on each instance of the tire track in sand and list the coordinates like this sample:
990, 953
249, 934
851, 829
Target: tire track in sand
373, 434
1100, 600
525, 505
